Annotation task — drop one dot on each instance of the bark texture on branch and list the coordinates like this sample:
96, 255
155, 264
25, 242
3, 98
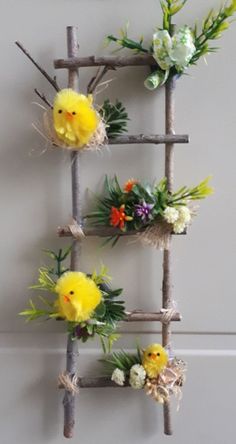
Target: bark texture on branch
72, 346
153, 138
103, 232
97, 382
167, 272
111, 61
141, 316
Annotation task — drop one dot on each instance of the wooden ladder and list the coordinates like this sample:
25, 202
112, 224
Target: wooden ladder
72, 64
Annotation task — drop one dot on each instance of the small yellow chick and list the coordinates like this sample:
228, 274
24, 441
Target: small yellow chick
154, 360
78, 296
75, 120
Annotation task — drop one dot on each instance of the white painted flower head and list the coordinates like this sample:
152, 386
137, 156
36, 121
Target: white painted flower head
173, 51
179, 227
184, 215
137, 376
183, 48
171, 215
118, 376
162, 45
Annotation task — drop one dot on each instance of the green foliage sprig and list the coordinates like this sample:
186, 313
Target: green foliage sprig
115, 118
122, 360
198, 45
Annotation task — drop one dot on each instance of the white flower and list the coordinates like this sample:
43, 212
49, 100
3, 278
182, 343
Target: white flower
137, 376
182, 48
162, 44
118, 376
176, 51
171, 215
184, 215
179, 227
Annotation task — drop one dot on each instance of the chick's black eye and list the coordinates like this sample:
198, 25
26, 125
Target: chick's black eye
158, 354
74, 113
59, 111
71, 292
149, 354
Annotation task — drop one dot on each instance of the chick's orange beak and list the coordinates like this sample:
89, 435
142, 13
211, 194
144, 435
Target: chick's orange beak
153, 356
66, 298
69, 116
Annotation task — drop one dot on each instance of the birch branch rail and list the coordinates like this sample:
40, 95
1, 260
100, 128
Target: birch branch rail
141, 316
153, 138
103, 232
111, 61
97, 382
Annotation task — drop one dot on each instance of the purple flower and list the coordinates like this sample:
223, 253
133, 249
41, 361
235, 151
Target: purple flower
144, 210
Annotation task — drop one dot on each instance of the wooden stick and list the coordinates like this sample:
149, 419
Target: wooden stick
97, 79
153, 138
72, 346
51, 80
141, 316
97, 382
111, 61
167, 275
104, 232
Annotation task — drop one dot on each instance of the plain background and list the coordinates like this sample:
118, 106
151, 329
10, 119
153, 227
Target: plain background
36, 197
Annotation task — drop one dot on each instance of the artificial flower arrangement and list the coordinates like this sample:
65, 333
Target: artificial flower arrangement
150, 210
86, 303
75, 124
174, 50
151, 369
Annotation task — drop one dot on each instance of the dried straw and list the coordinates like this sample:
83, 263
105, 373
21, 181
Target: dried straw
157, 235
97, 141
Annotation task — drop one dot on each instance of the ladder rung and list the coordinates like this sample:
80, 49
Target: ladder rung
110, 61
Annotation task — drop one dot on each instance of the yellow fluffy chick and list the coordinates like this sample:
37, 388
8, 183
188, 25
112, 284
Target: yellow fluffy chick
75, 120
154, 360
78, 296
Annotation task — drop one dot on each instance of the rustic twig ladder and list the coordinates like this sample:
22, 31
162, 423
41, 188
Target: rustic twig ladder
169, 139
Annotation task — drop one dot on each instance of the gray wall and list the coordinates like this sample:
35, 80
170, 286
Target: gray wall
35, 199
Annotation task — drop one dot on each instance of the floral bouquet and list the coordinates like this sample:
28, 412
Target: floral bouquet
150, 210
151, 369
86, 303
174, 50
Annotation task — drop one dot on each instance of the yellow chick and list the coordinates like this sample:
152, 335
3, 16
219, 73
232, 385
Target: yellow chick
78, 296
75, 120
154, 360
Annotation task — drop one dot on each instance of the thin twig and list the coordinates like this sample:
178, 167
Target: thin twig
97, 79
51, 80
43, 98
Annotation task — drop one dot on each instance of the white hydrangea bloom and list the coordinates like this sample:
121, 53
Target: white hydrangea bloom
161, 47
179, 227
137, 376
183, 48
171, 215
184, 215
118, 376
173, 51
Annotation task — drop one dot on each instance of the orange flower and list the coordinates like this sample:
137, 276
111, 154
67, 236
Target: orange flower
118, 217
128, 186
